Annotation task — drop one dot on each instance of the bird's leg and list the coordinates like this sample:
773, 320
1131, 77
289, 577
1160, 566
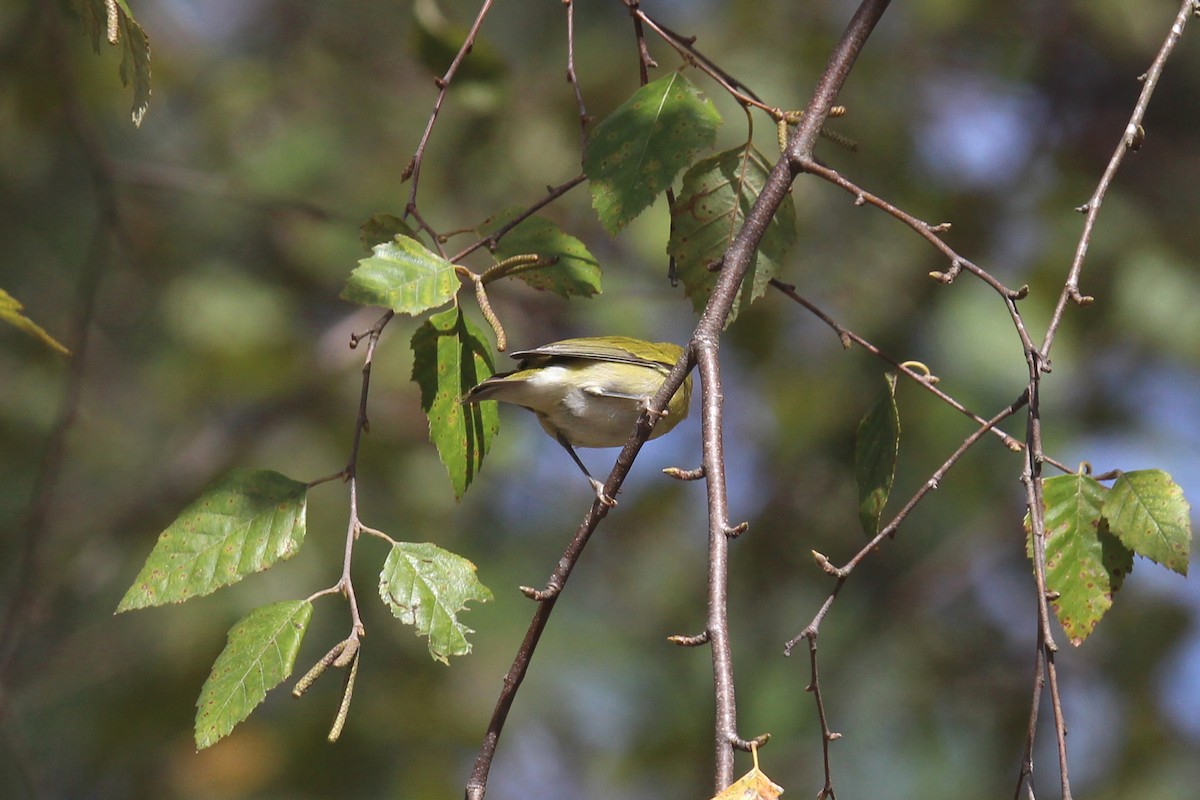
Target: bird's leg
597, 486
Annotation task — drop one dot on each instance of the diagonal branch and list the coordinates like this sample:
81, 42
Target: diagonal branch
1131, 139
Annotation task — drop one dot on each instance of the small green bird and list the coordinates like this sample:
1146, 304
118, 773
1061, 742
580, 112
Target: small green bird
589, 392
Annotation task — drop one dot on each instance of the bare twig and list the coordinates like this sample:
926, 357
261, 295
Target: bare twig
413, 170
1046, 671
827, 735
848, 337
1131, 139
573, 79
888, 531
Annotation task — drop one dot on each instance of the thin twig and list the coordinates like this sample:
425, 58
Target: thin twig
573, 79
848, 337
1130, 140
413, 170
489, 242
888, 531
827, 735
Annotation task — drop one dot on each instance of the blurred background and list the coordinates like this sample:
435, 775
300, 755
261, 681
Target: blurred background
217, 339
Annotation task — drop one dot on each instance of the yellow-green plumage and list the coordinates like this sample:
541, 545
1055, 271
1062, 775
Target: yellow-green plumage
589, 392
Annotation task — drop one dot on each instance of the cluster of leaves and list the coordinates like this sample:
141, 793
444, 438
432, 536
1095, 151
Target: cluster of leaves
632, 156
1093, 532
251, 519
245, 523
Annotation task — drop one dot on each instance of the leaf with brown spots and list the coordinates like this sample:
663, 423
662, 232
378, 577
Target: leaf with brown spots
241, 525
450, 355
635, 153
258, 656
1085, 563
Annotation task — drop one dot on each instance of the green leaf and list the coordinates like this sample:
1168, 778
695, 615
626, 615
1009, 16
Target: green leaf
382, 228
258, 656
135, 56
636, 152
1085, 563
241, 525
450, 356
402, 275
1148, 513
717, 194
875, 452
427, 586
576, 273
10, 312
135, 63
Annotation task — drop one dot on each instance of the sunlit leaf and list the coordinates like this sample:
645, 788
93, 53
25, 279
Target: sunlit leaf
427, 587
576, 273
382, 228
1148, 513
402, 275
1085, 563
875, 452
450, 356
10, 312
754, 785
258, 656
243, 524
634, 153
717, 194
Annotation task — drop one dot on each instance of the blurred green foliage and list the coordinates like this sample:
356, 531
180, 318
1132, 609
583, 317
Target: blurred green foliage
219, 340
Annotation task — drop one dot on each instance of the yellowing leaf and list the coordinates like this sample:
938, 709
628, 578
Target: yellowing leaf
1085, 564
10, 312
402, 275
754, 785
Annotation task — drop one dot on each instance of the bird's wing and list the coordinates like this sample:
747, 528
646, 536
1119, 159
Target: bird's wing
610, 348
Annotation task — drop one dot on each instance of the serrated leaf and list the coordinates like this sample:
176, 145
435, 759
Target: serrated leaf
135, 46
259, 655
716, 195
402, 275
135, 63
1148, 513
575, 274
427, 587
450, 356
875, 451
1085, 563
10, 312
241, 525
382, 228
636, 152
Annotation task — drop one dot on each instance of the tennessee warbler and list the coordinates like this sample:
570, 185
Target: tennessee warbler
589, 392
